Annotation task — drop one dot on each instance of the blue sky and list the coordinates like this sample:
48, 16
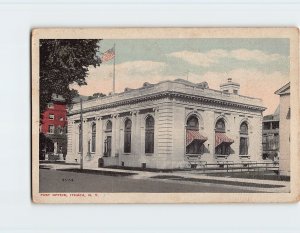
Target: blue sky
158, 50
261, 66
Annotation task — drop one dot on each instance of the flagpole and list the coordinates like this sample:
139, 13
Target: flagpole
114, 71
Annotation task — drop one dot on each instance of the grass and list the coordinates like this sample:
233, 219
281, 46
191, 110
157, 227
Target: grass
143, 169
210, 181
252, 175
98, 172
56, 162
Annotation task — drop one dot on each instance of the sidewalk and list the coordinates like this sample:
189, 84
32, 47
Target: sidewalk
186, 176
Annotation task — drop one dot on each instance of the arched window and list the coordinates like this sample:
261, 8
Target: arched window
93, 149
127, 136
192, 123
244, 140
220, 125
194, 140
149, 135
222, 142
108, 126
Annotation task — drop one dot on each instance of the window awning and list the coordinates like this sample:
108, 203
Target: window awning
192, 135
222, 138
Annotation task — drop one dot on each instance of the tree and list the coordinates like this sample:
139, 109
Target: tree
96, 95
64, 62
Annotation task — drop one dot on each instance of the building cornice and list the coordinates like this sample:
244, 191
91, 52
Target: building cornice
170, 95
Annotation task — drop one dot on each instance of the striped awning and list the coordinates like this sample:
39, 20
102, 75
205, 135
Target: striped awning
222, 138
192, 135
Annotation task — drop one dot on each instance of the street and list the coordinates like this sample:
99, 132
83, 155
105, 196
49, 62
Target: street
70, 181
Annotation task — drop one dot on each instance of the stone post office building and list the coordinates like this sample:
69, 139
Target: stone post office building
164, 125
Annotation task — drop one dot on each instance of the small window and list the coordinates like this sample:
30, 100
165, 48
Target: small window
225, 91
275, 125
50, 105
51, 116
235, 92
51, 129
60, 130
266, 125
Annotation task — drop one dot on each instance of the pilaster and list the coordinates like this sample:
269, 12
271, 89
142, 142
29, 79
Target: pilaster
134, 133
114, 133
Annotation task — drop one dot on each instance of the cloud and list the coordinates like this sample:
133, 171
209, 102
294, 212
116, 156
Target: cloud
212, 57
200, 59
253, 83
255, 55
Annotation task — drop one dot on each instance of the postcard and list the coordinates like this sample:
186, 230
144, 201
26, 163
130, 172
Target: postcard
165, 115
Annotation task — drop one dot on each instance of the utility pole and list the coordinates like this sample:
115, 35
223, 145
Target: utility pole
81, 136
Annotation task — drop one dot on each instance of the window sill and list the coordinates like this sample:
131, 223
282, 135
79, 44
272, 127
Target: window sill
126, 153
219, 156
244, 156
149, 154
193, 155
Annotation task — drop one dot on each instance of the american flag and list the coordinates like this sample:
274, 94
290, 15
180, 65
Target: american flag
108, 55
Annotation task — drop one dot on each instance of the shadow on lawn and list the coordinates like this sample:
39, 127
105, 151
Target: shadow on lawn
97, 172
210, 181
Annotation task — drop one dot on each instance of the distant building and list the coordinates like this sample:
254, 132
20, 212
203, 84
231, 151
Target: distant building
167, 124
284, 129
54, 129
270, 138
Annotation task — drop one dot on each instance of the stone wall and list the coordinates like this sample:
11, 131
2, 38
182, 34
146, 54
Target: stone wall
284, 132
170, 113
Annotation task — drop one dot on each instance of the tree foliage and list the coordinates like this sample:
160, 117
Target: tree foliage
64, 62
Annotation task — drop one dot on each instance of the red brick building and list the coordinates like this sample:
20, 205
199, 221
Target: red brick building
54, 128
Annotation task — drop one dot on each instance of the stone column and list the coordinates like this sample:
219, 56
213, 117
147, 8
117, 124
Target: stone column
71, 139
117, 135
234, 134
134, 133
209, 117
113, 136
156, 133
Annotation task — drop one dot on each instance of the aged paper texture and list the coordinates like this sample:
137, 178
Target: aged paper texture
165, 115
